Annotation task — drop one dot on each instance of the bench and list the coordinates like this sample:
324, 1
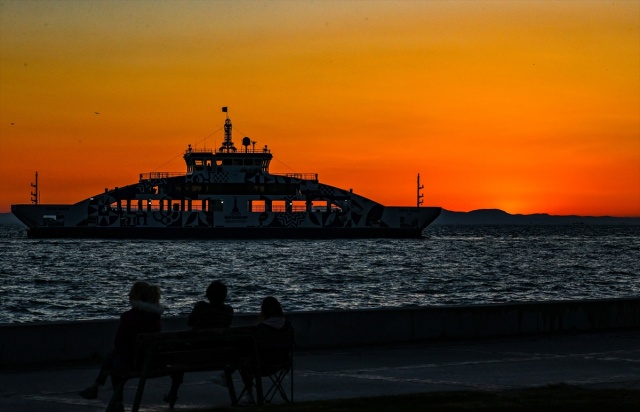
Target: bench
165, 353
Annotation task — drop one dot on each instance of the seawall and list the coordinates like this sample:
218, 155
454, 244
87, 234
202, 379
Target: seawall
23, 344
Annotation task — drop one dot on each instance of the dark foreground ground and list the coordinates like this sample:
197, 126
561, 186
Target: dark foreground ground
576, 373
551, 398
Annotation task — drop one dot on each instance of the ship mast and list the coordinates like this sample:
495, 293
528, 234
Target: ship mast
420, 199
227, 145
35, 196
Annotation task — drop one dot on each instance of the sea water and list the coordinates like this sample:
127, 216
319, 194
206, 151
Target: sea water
69, 279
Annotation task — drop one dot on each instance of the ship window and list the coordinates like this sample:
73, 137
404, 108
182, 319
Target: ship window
278, 206
248, 162
319, 205
299, 206
153, 204
219, 162
237, 162
257, 206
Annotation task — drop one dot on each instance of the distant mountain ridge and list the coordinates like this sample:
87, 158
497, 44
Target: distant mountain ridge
500, 217
482, 217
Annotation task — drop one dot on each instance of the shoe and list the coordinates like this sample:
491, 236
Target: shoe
89, 393
219, 379
170, 399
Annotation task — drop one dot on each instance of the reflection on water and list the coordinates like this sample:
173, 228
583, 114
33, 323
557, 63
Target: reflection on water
45, 280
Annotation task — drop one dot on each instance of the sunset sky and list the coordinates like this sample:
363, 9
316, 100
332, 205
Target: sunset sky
525, 106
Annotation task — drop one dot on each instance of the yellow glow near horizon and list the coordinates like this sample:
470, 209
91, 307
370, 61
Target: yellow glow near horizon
531, 107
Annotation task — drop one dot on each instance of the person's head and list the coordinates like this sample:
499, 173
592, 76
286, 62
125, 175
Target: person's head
151, 294
270, 308
217, 292
137, 289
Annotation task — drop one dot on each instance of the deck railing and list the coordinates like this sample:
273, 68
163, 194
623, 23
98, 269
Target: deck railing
239, 150
301, 176
159, 175
166, 175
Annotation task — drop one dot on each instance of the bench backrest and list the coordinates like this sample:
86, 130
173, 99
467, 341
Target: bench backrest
193, 350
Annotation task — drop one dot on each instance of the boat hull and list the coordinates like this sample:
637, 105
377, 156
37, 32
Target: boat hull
223, 233
67, 227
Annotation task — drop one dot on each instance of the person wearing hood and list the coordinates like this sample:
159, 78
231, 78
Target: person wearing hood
272, 335
143, 317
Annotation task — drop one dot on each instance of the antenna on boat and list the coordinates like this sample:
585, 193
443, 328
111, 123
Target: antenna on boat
35, 196
227, 145
420, 199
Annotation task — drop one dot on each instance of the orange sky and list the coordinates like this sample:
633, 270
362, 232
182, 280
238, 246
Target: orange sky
530, 107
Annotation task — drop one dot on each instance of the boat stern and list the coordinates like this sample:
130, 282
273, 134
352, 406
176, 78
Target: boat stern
49, 215
417, 218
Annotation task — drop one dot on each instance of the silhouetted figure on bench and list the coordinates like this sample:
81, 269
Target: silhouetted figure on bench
273, 335
205, 315
212, 314
143, 317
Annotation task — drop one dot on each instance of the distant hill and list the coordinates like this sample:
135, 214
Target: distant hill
482, 217
500, 217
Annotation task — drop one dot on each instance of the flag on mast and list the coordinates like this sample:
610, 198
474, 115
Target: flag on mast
224, 109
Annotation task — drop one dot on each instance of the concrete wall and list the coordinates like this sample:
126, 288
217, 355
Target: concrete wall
65, 341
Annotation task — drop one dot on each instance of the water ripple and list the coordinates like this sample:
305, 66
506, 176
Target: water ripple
46, 280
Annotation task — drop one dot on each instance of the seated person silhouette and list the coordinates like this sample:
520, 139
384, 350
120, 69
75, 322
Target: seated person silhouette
143, 317
273, 339
205, 315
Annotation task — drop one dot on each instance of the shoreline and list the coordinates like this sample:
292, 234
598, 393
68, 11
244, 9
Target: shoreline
46, 342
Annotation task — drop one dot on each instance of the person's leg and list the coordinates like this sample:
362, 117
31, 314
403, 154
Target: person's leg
117, 369
117, 381
176, 380
91, 392
103, 374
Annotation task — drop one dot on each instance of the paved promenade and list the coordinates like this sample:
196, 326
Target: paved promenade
593, 361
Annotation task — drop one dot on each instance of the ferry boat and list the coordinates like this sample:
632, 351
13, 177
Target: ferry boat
224, 194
